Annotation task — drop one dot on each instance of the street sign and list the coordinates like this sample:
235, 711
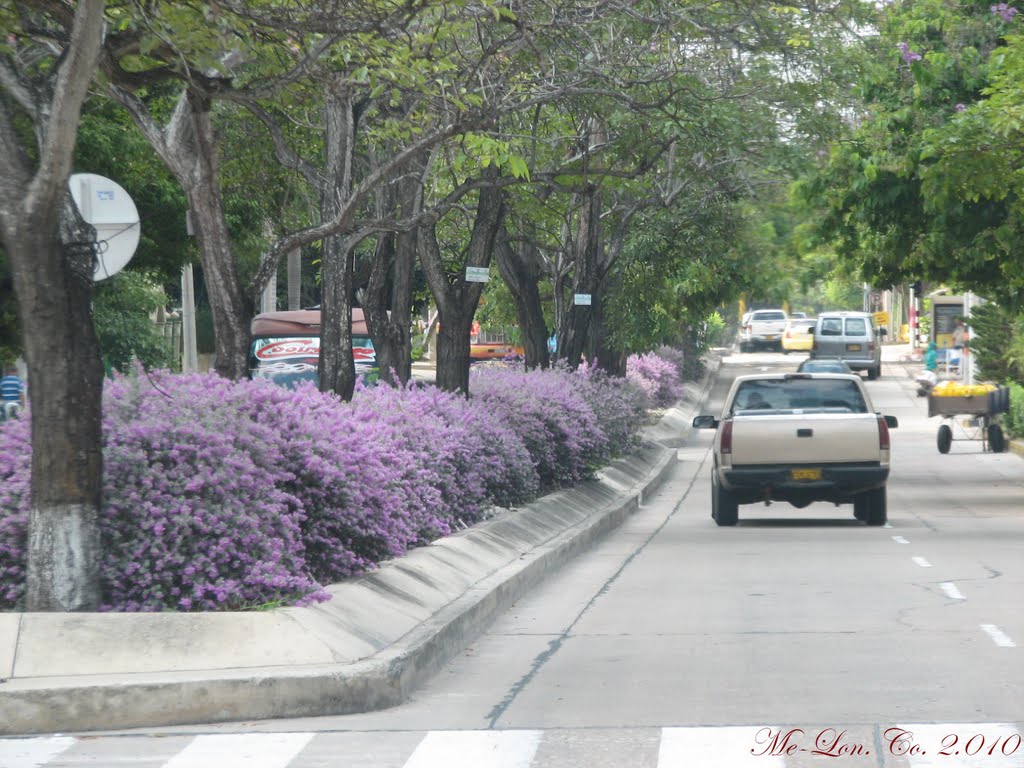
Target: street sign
881, 318
581, 299
478, 275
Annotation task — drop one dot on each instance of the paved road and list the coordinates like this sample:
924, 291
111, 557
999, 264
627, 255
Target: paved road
677, 643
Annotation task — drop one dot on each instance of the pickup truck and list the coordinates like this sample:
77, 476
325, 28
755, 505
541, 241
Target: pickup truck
799, 438
763, 328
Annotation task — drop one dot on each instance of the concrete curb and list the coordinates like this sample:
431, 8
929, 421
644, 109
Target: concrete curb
386, 678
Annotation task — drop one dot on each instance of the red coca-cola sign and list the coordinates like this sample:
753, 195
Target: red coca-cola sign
288, 348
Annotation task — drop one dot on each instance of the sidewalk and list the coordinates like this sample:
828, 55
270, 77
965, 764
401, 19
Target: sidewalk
379, 638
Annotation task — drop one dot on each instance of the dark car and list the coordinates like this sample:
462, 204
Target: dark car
824, 365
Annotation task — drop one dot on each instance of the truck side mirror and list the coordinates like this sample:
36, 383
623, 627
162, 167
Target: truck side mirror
883, 331
891, 421
705, 422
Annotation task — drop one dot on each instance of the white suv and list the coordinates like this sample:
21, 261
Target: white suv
763, 328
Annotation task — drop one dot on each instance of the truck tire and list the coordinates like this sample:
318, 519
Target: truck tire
724, 509
944, 439
873, 373
996, 440
870, 506
878, 512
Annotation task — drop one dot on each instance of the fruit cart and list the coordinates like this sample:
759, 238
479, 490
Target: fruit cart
969, 412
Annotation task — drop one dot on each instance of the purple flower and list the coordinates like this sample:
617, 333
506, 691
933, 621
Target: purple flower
1007, 12
907, 53
961, 107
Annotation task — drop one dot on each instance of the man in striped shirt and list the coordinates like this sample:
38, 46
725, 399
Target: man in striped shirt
12, 392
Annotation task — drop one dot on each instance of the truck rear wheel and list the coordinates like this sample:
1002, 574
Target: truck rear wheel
870, 506
724, 509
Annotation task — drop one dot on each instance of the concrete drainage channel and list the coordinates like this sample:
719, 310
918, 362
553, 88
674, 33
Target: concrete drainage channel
378, 639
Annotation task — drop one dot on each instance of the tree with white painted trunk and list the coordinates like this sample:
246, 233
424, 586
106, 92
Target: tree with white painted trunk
52, 254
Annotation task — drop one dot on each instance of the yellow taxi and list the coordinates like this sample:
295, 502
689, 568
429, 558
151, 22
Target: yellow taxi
798, 337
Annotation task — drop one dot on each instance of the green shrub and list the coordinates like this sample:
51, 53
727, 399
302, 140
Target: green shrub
1013, 422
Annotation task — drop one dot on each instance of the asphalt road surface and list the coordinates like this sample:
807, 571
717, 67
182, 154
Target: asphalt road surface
677, 643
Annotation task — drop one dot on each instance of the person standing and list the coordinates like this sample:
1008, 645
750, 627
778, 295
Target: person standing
959, 335
12, 391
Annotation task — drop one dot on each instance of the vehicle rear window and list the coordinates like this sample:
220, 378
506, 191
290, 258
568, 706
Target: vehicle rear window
769, 316
799, 394
831, 326
856, 326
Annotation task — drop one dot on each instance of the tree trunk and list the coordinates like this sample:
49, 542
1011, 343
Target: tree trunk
337, 366
586, 279
189, 148
232, 312
521, 271
65, 375
457, 303
52, 257
394, 268
453, 346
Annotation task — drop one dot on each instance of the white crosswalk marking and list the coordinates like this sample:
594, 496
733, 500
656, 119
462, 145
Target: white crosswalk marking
726, 747
475, 749
251, 750
963, 745
32, 753
942, 745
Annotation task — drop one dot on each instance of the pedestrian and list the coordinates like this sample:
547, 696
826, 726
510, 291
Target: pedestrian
12, 392
959, 335
931, 358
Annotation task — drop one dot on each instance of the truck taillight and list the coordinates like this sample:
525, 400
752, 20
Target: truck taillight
727, 436
883, 434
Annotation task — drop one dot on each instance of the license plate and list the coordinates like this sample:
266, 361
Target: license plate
853, 347
806, 474
771, 338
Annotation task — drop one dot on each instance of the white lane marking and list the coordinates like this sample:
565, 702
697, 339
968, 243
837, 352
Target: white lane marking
946, 744
32, 753
951, 591
235, 750
922, 562
475, 749
900, 540
999, 637
727, 747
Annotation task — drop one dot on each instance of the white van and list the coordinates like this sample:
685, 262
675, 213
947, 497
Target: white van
851, 337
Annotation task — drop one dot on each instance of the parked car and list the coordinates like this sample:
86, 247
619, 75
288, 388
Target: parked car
763, 328
823, 365
850, 337
798, 336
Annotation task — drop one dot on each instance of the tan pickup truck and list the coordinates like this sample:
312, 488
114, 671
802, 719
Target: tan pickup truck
799, 438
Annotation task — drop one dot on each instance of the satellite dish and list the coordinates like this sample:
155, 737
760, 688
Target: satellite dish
104, 204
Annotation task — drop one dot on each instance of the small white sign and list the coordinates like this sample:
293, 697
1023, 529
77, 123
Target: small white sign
478, 274
581, 299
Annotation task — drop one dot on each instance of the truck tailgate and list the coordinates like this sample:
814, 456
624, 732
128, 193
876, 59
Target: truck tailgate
804, 439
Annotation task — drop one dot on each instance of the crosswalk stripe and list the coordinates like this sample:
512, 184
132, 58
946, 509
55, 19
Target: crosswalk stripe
475, 749
251, 750
32, 753
725, 747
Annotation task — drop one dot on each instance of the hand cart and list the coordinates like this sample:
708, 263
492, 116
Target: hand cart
975, 417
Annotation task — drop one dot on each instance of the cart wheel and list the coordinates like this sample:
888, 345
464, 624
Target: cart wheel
945, 438
996, 441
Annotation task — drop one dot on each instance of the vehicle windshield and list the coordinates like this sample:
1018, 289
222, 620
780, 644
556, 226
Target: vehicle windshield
798, 395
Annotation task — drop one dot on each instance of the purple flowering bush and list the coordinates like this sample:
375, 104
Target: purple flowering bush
228, 495
15, 461
619, 405
197, 513
551, 417
657, 377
